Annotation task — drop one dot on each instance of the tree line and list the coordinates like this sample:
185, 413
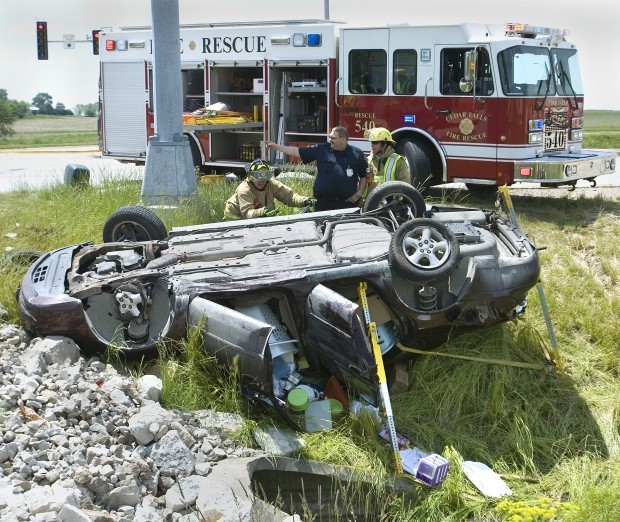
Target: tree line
11, 110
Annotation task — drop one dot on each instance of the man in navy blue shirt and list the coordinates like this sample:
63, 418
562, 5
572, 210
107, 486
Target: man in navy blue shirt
341, 170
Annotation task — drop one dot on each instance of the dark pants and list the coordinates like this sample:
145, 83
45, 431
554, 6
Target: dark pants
331, 204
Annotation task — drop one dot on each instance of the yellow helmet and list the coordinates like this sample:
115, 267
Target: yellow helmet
260, 170
380, 134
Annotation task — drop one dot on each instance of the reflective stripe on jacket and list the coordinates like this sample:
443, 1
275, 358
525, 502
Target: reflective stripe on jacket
389, 167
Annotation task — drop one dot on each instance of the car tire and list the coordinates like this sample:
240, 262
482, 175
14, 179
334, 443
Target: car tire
133, 223
419, 162
413, 205
423, 251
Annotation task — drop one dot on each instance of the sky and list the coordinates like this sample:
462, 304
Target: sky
70, 76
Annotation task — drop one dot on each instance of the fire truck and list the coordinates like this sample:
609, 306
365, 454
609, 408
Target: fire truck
483, 105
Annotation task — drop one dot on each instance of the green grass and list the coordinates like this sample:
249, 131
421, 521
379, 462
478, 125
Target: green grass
554, 434
52, 131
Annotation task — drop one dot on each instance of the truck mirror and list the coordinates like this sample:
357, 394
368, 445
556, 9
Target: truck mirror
469, 68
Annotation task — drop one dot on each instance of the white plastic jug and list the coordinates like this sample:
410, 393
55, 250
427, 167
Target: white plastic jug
318, 416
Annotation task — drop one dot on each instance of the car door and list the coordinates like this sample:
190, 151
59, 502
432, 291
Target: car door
231, 335
336, 335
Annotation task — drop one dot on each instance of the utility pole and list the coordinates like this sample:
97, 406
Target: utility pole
169, 170
326, 9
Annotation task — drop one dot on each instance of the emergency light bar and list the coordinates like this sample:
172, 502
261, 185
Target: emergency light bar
534, 30
299, 40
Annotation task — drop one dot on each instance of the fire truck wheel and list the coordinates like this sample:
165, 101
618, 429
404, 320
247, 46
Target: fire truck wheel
404, 201
419, 164
423, 251
133, 223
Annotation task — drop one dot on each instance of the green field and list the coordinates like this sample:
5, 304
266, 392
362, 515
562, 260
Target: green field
52, 131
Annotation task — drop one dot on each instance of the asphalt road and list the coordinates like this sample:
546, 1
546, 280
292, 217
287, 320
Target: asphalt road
37, 168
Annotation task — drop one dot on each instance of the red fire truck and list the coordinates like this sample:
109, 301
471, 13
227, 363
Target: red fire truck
485, 105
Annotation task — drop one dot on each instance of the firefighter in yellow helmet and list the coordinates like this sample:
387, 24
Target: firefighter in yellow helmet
384, 163
256, 195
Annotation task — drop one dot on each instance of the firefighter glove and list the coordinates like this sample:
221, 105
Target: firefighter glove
310, 202
270, 213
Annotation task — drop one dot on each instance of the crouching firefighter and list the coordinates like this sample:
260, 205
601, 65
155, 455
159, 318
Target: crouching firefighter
384, 162
256, 195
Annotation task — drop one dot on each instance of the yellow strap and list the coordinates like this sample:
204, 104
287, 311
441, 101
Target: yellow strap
505, 362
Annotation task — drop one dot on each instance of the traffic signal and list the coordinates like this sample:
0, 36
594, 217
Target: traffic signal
41, 40
96, 41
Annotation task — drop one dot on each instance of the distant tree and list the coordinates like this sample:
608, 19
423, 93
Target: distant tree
44, 102
92, 109
21, 109
61, 110
87, 109
6, 118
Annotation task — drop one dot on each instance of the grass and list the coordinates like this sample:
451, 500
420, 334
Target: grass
554, 434
52, 131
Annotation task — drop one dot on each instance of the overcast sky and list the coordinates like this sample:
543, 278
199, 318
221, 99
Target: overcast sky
70, 76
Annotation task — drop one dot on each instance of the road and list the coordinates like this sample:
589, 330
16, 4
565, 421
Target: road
37, 168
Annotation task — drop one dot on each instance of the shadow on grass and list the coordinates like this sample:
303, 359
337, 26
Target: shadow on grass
516, 420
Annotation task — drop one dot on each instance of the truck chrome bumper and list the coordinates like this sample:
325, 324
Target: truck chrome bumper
564, 168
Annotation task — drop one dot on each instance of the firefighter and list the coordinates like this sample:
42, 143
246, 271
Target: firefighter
341, 170
255, 196
384, 163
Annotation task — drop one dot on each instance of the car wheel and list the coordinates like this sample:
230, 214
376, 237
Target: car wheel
419, 164
404, 201
133, 223
423, 251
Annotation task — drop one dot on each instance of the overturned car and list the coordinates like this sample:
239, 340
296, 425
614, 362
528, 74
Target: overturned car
283, 292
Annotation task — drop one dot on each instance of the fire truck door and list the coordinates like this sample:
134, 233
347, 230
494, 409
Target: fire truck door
363, 85
466, 115
124, 108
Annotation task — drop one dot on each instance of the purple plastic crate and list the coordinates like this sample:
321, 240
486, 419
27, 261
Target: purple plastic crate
432, 469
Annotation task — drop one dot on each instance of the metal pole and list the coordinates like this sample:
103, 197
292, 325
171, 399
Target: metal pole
326, 9
169, 170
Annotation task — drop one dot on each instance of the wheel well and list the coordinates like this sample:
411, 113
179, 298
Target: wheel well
197, 158
431, 147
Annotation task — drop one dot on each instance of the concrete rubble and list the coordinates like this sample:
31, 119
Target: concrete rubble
81, 441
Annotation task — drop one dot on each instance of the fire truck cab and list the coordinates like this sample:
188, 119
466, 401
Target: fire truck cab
485, 105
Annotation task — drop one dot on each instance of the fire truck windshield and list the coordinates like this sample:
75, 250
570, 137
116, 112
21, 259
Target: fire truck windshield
527, 71
566, 71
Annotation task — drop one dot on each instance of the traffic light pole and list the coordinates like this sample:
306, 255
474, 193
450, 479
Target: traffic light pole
169, 169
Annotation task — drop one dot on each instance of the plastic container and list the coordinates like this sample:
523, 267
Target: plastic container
432, 469
318, 416
313, 394
336, 408
335, 391
297, 400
